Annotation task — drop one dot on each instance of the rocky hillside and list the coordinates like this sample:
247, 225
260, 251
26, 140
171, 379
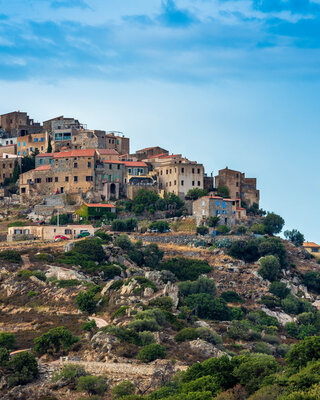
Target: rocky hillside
118, 315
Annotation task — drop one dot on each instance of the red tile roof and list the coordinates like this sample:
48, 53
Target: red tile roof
135, 164
147, 148
107, 151
113, 162
43, 168
100, 205
310, 244
41, 155
158, 155
171, 156
76, 153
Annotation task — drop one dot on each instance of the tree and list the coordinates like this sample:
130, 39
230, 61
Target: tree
124, 388
273, 246
92, 384
186, 268
160, 226
269, 268
54, 340
151, 352
279, 289
16, 171
205, 306
244, 250
23, 369
258, 229
213, 221
295, 237
202, 230
273, 223
91, 248
49, 148
312, 280
305, 351
194, 194
64, 219
223, 191
201, 285
69, 373
86, 301
7, 340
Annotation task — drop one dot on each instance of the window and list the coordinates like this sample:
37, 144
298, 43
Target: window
193, 170
50, 161
4, 166
237, 194
117, 141
169, 183
38, 180
36, 139
10, 166
166, 184
24, 143
237, 184
192, 183
203, 203
66, 179
170, 171
217, 203
223, 204
313, 250
110, 166
182, 183
19, 144
41, 140
167, 172
75, 179
18, 153
89, 164
198, 183
182, 170
129, 170
175, 182
75, 165
67, 231
118, 166
23, 190
237, 175
198, 170
49, 180
89, 178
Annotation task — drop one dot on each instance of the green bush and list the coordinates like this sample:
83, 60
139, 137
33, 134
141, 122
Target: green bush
291, 304
54, 340
204, 384
269, 268
258, 229
89, 326
7, 340
201, 285
144, 325
186, 268
92, 248
279, 289
245, 250
292, 329
146, 338
104, 236
110, 271
23, 369
305, 351
202, 230
271, 302
194, 194
124, 388
86, 301
151, 352
117, 285
231, 297
92, 384
160, 226
223, 229
26, 274
120, 311
274, 247
295, 237
11, 256
262, 348
186, 334
69, 373
213, 221
127, 225
164, 303
205, 306
312, 280
4, 356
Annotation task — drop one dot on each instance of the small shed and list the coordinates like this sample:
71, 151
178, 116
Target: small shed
93, 211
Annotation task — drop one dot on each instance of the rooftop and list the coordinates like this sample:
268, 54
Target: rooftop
100, 205
310, 244
43, 168
76, 153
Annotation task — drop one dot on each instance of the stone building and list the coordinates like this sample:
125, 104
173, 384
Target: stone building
6, 141
88, 139
239, 186
10, 149
18, 124
108, 154
117, 141
28, 144
214, 206
149, 152
7, 167
69, 172
178, 175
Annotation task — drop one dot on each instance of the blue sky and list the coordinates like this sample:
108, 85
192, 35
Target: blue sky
225, 82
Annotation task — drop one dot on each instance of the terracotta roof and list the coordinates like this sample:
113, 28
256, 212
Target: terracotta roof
147, 148
113, 161
76, 153
43, 168
310, 244
100, 205
41, 155
107, 151
158, 155
135, 164
7, 145
214, 197
171, 156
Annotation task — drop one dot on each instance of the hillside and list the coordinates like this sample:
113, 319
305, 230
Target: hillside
144, 307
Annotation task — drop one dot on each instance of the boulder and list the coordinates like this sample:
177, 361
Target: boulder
64, 273
68, 246
206, 349
172, 291
104, 342
282, 317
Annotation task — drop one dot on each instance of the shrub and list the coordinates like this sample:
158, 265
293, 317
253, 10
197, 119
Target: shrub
165, 303
213, 221
223, 229
160, 226
273, 246
270, 301
69, 373
146, 338
204, 384
194, 194
258, 229
205, 306
186, 334
26, 274
201, 285
110, 271
236, 313
120, 311
124, 388
104, 236
155, 313
63, 283
231, 297
244, 250
292, 329
269, 268
11, 256
312, 280
117, 285
202, 230
223, 191
279, 289
305, 351
291, 304
208, 335
92, 384
273, 223
92, 248
272, 339
151, 352
127, 225
54, 340
123, 242
86, 301
262, 348
7, 340
4, 356
23, 369
144, 325
89, 325
186, 268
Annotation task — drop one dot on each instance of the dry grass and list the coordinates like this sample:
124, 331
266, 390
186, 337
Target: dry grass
187, 226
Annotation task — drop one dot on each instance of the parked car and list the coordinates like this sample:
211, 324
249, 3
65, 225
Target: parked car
58, 238
83, 234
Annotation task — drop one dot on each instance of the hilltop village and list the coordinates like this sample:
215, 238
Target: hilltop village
138, 276
62, 161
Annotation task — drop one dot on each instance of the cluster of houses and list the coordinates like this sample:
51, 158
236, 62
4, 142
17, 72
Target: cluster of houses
95, 164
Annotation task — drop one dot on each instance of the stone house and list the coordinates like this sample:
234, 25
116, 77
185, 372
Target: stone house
6, 141
149, 152
178, 175
88, 212
10, 149
108, 154
19, 123
214, 206
7, 164
239, 186
88, 139
26, 145
67, 172
117, 141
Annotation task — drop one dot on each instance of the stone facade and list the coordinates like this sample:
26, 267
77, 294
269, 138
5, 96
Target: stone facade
7, 167
88, 139
214, 206
239, 186
19, 124
118, 142
26, 145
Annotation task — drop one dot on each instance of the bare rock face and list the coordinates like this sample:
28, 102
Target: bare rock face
68, 246
206, 349
172, 291
129, 288
109, 284
104, 342
282, 317
64, 273
154, 276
